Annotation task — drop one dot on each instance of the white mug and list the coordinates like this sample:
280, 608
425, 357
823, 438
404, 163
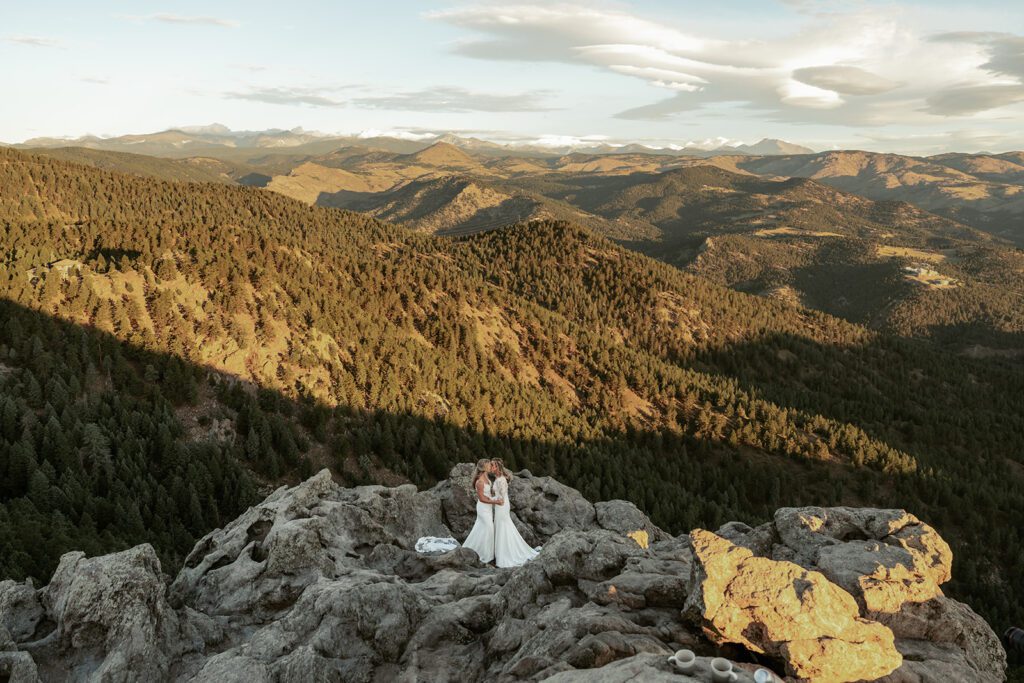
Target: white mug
684, 661
721, 671
764, 676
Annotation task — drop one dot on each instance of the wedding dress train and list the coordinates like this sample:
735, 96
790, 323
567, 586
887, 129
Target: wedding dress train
481, 537
510, 550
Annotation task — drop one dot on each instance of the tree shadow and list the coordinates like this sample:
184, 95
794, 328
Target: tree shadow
104, 444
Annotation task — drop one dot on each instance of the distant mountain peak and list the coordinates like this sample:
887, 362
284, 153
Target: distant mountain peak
442, 154
767, 147
212, 129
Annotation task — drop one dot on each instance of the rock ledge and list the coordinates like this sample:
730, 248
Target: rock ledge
320, 582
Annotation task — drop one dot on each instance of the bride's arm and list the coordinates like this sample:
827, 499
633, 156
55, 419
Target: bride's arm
484, 498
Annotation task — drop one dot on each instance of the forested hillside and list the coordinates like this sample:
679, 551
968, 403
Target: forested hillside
884, 264
887, 265
198, 169
169, 348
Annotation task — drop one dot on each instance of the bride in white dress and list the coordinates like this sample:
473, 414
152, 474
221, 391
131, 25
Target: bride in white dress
510, 550
481, 537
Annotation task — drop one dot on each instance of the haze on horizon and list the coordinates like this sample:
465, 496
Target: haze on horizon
910, 77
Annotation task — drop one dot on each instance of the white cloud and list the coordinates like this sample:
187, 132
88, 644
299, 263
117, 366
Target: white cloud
976, 140
858, 65
557, 141
395, 133
293, 95
972, 99
32, 41
845, 80
201, 21
801, 94
183, 20
445, 99
1005, 50
454, 99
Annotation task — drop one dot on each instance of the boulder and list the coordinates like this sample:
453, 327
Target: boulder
458, 499
783, 610
260, 564
113, 622
928, 662
15, 667
894, 564
625, 518
548, 506
21, 612
944, 640
646, 581
883, 557
758, 540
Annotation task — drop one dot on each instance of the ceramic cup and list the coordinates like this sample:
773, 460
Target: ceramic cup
764, 676
721, 671
684, 661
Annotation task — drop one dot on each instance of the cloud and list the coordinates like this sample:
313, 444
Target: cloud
448, 99
845, 80
971, 99
32, 41
183, 20
557, 141
1003, 59
399, 133
310, 97
851, 64
195, 20
1005, 50
663, 78
659, 111
937, 142
454, 99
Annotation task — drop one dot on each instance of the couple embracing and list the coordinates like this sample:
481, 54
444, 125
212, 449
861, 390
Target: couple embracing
494, 536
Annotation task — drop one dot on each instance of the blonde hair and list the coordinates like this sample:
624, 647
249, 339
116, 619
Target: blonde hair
504, 470
481, 468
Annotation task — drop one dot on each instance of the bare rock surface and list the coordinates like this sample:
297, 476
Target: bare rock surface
652, 668
785, 611
320, 582
894, 564
20, 610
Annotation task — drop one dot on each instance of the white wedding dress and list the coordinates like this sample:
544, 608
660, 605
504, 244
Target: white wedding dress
510, 550
481, 537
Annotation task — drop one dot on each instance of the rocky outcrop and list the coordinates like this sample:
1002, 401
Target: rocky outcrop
320, 582
893, 565
783, 610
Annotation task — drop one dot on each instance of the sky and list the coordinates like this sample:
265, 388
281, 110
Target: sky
912, 77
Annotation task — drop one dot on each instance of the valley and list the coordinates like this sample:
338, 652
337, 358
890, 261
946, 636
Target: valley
854, 234
204, 342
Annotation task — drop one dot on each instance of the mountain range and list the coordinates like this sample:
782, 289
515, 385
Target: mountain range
171, 349
199, 139
917, 247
